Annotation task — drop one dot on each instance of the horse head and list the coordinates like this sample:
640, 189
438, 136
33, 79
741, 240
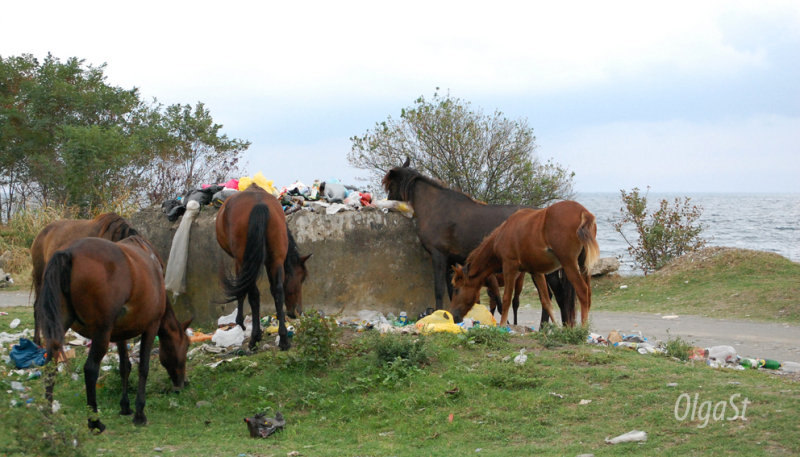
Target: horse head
296, 274
173, 345
464, 294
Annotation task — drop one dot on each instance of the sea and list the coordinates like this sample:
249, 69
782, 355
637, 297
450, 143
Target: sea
763, 222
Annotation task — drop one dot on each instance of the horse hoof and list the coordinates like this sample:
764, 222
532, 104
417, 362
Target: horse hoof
284, 345
96, 427
139, 420
126, 411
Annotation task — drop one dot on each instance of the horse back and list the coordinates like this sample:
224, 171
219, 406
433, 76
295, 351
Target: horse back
234, 216
115, 285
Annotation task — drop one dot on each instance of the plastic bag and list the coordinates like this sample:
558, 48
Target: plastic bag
26, 354
439, 321
175, 276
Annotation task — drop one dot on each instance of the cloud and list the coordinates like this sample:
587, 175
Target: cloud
756, 154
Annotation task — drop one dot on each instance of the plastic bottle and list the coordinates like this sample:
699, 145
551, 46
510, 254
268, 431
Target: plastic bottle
769, 364
749, 363
403, 319
722, 354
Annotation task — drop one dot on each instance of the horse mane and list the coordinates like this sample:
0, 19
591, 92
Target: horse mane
407, 177
482, 255
114, 224
292, 254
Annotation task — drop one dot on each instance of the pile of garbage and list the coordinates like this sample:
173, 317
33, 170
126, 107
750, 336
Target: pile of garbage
329, 196
722, 356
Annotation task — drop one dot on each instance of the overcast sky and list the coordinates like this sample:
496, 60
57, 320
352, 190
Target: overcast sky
681, 96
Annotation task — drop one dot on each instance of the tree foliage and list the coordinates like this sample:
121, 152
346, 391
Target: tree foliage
67, 137
488, 157
663, 235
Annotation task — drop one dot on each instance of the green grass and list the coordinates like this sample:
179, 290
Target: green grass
364, 404
723, 283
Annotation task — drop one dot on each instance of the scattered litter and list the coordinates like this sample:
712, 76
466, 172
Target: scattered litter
261, 426
56, 406
672, 384
624, 286
14, 323
671, 316
521, 358
584, 402
556, 395
633, 435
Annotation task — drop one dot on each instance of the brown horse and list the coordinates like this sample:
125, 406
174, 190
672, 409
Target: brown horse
251, 228
111, 292
58, 234
541, 241
450, 225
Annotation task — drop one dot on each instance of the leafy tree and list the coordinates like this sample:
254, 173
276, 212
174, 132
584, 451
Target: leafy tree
193, 151
488, 157
665, 234
69, 138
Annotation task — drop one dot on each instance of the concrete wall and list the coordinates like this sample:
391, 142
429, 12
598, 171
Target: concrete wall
361, 260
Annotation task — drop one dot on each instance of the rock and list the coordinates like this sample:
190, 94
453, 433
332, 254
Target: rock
604, 266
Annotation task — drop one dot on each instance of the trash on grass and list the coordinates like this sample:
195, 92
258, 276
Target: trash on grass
633, 435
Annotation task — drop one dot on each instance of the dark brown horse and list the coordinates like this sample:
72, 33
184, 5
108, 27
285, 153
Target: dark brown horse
111, 292
538, 241
450, 224
251, 228
58, 234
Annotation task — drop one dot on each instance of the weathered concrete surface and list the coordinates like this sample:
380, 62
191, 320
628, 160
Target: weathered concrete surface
361, 260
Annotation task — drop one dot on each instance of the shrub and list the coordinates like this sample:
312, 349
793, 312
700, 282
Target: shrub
315, 341
678, 348
551, 336
666, 233
485, 337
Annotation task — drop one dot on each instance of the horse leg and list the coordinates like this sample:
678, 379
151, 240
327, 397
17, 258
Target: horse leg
91, 370
124, 372
509, 277
517, 291
240, 312
254, 297
145, 349
276, 288
580, 283
439, 276
493, 290
544, 297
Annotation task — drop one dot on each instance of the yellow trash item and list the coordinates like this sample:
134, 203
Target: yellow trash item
260, 180
439, 321
480, 313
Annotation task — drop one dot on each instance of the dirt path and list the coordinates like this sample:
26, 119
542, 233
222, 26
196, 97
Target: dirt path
751, 339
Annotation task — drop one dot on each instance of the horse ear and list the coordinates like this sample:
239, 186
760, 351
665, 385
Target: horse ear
407, 162
186, 324
458, 270
305, 257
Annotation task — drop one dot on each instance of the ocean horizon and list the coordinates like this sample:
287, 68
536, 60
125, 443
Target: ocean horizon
760, 221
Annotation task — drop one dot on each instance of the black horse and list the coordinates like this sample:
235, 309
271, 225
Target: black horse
450, 224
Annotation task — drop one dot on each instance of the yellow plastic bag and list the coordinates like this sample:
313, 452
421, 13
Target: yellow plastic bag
480, 313
260, 180
439, 321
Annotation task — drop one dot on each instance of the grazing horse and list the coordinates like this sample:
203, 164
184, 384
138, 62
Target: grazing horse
111, 292
251, 228
58, 234
450, 224
538, 241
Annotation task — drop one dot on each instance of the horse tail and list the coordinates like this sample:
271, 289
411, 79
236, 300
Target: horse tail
55, 291
587, 234
255, 255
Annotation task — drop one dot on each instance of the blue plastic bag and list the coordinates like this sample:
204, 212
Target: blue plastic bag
26, 354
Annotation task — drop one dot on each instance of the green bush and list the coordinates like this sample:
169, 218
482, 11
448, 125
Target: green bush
485, 337
678, 348
552, 336
663, 235
314, 340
